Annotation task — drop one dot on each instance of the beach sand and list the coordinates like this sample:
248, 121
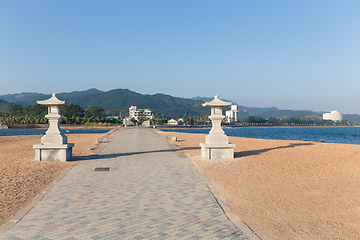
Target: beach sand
21, 178
286, 189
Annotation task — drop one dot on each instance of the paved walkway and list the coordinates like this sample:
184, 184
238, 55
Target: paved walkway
149, 193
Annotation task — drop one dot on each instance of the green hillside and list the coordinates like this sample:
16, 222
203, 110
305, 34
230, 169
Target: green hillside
4, 106
118, 100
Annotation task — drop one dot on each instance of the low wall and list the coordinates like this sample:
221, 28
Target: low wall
179, 126
22, 126
3, 126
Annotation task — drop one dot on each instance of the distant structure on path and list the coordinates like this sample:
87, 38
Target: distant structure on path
134, 112
333, 116
235, 115
127, 122
146, 123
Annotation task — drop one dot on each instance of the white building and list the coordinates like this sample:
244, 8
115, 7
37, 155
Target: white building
333, 116
173, 122
135, 113
235, 115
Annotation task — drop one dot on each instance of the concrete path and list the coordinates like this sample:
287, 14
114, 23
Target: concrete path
149, 193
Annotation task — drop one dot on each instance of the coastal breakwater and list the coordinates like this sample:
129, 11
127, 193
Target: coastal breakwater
22, 126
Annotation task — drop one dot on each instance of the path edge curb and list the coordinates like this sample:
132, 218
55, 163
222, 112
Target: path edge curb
241, 225
22, 212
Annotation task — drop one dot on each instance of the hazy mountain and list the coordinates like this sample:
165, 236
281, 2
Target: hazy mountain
207, 99
352, 117
30, 98
204, 99
288, 114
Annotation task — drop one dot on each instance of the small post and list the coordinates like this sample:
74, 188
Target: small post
54, 145
216, 144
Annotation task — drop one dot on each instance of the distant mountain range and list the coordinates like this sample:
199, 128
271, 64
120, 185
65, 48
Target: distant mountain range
119, 100
30, 98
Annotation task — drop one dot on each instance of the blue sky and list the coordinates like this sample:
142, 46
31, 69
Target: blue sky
287, 54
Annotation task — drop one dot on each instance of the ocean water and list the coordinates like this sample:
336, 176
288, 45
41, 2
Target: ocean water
34, 131
347, 135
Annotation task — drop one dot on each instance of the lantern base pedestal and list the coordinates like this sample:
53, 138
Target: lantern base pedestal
53, 152
217, 151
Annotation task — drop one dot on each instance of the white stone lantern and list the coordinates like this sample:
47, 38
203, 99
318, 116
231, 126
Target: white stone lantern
54, 146
217, 144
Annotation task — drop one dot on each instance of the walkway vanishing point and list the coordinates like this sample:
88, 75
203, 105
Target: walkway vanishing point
149, 192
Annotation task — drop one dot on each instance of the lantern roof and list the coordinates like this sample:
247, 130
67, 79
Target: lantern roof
53, 101
217, 103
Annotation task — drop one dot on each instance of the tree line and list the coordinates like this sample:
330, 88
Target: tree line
72, 114
75, 114
260, 121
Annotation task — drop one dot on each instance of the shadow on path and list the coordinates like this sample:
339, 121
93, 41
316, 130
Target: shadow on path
257, 152
236, 154
115, 155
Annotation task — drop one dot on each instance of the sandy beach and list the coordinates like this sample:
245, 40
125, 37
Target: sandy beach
286, 189
21, 178
280, 189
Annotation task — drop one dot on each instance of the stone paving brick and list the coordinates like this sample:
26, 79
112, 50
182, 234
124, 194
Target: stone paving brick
149, 193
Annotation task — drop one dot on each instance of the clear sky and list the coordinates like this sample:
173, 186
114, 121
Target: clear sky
302, 54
